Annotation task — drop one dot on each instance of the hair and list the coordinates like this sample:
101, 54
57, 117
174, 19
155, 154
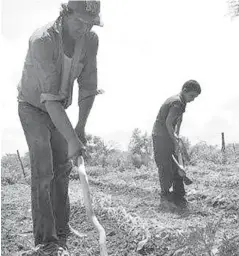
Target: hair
191, 85
65, 10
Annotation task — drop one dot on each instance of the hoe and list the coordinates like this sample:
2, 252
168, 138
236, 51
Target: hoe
180, 163
88, 206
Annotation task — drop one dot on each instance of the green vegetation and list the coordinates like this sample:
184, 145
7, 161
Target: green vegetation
125, 192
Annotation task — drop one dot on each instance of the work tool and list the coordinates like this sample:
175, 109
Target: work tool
88, 205
180, 163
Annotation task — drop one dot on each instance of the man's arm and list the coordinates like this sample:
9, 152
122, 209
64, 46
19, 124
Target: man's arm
60, 119
42, 54
178, 126
87, 85
173, 115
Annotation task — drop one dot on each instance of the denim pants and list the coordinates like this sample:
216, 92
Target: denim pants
167, 169
50, 171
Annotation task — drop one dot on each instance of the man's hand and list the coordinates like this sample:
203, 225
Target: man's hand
75, 148
84, 154
100, 91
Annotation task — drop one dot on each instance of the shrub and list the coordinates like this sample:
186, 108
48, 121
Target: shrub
11, 169
202, 152
229, 246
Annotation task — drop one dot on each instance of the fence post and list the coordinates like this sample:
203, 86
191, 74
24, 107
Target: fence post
19, 158
234, 148
223, 143
223, 149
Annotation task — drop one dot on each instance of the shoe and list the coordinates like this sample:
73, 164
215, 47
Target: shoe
37, 251
50, 249
167, 196
180, 200
53, 249
61, 251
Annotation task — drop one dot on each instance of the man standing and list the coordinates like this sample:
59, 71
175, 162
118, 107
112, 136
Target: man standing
166, 141
58, 54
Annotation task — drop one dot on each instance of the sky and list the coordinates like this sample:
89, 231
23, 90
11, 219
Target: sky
147, 51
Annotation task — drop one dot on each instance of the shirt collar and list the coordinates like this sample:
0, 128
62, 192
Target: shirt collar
182, 99
58, 25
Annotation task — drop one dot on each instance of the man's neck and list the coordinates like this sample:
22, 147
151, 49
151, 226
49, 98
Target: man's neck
182, 97
68, 41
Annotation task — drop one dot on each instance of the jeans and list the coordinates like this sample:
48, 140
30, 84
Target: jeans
50, 169
167, 169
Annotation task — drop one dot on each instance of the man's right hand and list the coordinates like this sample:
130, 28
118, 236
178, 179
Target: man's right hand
75, 148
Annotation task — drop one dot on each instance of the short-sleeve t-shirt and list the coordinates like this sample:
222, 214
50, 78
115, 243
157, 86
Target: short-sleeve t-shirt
179, 105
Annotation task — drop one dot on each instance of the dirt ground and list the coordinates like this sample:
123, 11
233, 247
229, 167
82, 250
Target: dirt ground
127, 204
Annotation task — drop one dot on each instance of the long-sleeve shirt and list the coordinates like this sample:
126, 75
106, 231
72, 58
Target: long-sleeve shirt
44, 65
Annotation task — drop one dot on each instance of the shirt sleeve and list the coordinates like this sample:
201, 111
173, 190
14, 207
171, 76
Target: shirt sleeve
175, 111
88, 79
42, 50
178, 107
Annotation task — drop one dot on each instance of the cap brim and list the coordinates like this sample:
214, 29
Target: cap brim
99, 23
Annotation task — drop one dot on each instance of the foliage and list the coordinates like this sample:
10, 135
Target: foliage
200, 240
140, 153
229, 246
11, 171
204, 153
140, 148
99, 150
140, 143
233, 7
128, 206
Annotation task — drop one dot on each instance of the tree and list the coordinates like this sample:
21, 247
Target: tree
140, 143
140, 147
233, 8
99, 150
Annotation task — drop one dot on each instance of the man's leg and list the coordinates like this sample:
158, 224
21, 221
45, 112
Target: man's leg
178, 187
60, 184
164, 165
35, 125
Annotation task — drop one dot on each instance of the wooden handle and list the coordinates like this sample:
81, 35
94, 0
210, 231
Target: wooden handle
89, 208
184, 150
180, 159
181, 170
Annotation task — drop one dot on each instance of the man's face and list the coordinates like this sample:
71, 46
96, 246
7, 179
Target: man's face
76, 26
190, 96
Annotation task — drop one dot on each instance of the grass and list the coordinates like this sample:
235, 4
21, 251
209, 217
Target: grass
127, 203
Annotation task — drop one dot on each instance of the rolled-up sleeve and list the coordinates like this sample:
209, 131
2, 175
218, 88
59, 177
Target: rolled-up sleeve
42, 50
88, 78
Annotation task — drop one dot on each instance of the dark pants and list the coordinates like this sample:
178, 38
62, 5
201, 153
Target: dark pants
167, 169
50, 171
